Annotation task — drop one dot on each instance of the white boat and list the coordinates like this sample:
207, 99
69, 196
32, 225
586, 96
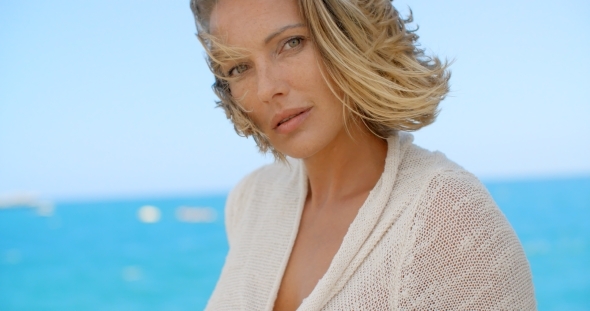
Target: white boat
27, 200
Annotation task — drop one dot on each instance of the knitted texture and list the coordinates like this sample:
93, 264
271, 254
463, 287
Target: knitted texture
428, 237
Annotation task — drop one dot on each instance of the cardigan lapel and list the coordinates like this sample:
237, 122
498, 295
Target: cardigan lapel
292, 210
364, 232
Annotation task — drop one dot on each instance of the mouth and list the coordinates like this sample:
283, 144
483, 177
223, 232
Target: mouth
286, 121
288, 118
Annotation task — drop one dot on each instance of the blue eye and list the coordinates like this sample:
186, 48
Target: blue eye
237, 70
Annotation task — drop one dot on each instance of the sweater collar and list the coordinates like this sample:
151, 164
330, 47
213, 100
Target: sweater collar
364, 232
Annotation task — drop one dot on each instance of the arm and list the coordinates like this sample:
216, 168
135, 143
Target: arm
462, 253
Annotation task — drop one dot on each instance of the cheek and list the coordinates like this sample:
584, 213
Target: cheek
246, 98
238, 92
241, 94
315, 80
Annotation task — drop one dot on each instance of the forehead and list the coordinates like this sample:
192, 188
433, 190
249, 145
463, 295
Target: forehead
246, 22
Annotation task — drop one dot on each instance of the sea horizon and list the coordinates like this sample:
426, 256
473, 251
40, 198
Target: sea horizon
166, 252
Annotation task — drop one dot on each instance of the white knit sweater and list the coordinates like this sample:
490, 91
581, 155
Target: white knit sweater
428, 237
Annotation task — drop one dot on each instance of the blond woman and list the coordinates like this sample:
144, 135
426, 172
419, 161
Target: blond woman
353, 215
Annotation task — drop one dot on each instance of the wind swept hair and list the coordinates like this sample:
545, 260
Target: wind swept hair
372, 61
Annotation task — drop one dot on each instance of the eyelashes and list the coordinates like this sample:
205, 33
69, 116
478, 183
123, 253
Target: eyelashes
288, 45
293, 42
236, 70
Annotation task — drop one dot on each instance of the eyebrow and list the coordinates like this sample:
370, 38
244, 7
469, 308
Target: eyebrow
278, 32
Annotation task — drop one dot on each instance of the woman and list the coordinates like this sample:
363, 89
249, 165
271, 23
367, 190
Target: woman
359, 218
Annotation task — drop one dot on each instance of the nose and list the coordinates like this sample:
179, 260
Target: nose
270, 84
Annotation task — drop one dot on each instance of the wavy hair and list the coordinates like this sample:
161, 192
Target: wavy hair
372, 61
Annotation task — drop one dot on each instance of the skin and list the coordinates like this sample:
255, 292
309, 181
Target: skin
283, 71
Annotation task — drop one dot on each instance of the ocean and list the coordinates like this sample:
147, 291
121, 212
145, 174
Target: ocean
166, 254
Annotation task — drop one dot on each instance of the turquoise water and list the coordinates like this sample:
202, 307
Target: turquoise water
552, 220
99, 256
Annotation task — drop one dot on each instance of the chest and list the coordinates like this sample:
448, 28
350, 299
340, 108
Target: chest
265, 270
320, 235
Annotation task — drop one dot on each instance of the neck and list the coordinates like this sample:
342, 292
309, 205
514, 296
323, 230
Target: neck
349, 166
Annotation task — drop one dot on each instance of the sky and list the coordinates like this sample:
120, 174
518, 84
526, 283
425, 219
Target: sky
105, 99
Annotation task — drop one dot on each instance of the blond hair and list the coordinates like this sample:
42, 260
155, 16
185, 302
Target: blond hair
382, 76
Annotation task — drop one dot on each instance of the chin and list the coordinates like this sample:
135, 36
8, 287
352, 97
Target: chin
295, 150
301, 147
298, 153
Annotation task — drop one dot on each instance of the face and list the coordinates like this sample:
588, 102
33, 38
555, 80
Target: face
279, 81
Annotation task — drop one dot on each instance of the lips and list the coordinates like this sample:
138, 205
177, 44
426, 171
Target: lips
287, 120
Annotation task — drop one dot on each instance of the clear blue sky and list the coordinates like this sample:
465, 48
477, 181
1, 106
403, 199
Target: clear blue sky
112, 98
